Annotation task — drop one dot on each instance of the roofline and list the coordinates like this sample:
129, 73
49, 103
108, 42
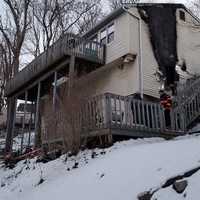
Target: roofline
178, 5
113, 15
192, 14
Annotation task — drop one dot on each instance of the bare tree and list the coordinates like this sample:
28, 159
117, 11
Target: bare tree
13, 28
114, 4
195, 7
53, 18
4, 71
90, 19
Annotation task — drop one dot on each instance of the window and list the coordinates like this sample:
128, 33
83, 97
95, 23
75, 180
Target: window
107, 34
95, 38
103, 36
182, 15
94, 44
110, 33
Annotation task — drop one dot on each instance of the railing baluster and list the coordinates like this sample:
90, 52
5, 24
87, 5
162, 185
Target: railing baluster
139, 114
115, 110
125, 112
156, 115
135, 114
143, 115
162, 119
120, 110
147, 111
101, 99
152, 117
129, 112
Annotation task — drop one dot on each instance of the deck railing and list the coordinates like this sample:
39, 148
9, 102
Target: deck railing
120, 112
69, 44
188, 101
185, 91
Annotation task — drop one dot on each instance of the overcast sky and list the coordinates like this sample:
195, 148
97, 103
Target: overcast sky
105, 3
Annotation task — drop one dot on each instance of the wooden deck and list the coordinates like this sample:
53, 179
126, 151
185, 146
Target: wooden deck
60, 51
115, 115
127, 116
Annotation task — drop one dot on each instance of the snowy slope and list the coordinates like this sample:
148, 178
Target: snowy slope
117, 173
192, 192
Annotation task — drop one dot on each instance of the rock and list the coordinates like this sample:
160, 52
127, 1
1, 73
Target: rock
102, 175
3, 184
180, 186
75, 165
94, 155
145, 196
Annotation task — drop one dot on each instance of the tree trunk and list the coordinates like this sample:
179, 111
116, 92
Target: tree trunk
11, 111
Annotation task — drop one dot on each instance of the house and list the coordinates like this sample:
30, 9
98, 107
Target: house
27, 110
126, 57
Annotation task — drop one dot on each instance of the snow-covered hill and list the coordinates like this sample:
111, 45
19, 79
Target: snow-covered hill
120, 172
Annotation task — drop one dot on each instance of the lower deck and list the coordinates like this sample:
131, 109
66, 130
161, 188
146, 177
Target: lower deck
114, 115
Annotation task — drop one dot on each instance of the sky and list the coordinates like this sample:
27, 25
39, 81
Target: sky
106, 4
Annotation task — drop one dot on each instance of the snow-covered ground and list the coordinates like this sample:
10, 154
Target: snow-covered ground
120, 172
17, 141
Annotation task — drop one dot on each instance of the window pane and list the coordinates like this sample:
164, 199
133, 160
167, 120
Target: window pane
103, 40
182, 15
103, 34
111, 28
110, 37
95, 39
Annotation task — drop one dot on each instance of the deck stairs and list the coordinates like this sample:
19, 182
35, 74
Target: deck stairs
188, 102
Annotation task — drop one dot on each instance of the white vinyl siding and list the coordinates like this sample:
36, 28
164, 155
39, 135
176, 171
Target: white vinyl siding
120, 45
188, 43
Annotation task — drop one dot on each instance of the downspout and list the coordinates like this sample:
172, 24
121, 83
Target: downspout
141, 87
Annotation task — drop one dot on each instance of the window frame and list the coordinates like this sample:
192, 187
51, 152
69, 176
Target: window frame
105, 37
112, 33
182, 15
105, 28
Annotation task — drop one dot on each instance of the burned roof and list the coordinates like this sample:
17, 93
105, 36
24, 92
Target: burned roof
116, 13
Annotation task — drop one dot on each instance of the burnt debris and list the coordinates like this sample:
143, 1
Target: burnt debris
161, 20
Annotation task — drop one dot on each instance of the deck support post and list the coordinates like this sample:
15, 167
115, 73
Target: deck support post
37, 115
54, 90
24, 121
10, 123
71, 73
30, 125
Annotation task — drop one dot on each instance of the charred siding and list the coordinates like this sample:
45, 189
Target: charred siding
161, 21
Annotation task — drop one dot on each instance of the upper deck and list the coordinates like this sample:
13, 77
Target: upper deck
61, 50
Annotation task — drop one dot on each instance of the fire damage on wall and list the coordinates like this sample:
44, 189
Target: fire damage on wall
163, 36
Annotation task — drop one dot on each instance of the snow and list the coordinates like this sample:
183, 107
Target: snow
17, 141
119, 172
191, 193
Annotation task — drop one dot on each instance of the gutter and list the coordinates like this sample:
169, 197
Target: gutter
141, 86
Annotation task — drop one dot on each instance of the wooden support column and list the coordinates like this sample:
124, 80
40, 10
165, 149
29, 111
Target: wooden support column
10, 123
30, 124
71, 74
37, 114
24, 121
108, 110
54, 90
